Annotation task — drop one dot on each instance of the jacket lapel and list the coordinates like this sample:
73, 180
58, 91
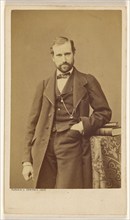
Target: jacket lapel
49, 91
78, 88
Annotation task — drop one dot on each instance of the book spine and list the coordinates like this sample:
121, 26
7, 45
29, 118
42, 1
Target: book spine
111, 124
104, 131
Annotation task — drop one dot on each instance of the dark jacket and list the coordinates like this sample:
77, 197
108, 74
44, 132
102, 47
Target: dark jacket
86, 92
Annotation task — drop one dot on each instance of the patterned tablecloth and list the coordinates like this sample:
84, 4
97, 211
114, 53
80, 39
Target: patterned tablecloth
106, 161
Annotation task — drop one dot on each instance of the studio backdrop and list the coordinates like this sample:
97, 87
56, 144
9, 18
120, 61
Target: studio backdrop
97, 37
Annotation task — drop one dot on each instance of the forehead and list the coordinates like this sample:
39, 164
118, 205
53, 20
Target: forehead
66, 47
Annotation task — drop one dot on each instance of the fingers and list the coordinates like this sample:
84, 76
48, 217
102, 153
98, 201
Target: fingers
27, 172
27, 176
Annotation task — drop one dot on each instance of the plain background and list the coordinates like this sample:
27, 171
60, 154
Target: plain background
97, 37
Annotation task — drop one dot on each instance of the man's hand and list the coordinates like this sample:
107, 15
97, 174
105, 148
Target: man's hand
78, 127
27, 171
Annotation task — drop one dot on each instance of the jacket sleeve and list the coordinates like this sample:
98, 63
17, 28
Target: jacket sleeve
101, 111
32, 122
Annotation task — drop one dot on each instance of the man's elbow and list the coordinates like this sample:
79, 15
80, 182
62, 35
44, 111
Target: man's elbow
108, 115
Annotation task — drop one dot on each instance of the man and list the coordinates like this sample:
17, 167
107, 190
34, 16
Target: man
57, 152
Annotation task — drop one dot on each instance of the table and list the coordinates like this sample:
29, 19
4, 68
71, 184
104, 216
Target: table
106, 161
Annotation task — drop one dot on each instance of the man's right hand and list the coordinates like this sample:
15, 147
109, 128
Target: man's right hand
27, 171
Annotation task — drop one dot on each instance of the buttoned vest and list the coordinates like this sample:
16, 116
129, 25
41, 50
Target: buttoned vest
65, 116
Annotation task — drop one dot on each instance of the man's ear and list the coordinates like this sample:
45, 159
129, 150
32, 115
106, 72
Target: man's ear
52, 56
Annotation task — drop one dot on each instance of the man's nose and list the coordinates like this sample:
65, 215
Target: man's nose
64, 58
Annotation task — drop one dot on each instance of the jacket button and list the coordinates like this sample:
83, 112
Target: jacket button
49, 114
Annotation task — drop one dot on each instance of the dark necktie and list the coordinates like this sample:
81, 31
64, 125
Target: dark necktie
63, 75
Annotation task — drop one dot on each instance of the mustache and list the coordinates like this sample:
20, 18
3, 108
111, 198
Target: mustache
65, 63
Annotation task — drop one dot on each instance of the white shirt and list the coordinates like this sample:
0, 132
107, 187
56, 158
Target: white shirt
61, 82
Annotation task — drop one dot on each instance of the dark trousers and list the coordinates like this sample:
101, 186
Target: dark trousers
62, 166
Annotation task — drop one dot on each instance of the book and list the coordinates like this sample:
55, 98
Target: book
106, 131
111, 125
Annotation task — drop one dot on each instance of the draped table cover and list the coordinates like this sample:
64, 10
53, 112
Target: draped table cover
106, 161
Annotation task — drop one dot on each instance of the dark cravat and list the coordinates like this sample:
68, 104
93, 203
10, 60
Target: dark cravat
63, 75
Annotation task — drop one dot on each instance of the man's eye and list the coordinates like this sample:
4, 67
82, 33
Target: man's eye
59, 55
67, 54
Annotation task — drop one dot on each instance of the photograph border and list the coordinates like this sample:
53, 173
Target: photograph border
8, 193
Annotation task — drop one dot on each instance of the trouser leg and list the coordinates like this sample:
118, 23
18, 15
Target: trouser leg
69, 160
62, 167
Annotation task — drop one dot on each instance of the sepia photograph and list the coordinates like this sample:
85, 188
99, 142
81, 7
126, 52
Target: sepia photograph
78, 67
65, 110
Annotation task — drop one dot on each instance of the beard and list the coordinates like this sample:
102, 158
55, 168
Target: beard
65, 67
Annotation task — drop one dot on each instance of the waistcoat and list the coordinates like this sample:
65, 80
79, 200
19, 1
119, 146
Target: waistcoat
63, 111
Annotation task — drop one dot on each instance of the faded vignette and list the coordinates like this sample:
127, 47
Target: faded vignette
74, 203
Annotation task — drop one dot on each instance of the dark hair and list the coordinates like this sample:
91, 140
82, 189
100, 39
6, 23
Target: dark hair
60, 41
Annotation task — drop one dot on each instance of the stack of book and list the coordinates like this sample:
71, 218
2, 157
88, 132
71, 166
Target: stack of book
109, 129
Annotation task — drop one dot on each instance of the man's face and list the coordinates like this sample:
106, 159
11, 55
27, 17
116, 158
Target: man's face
63, 57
